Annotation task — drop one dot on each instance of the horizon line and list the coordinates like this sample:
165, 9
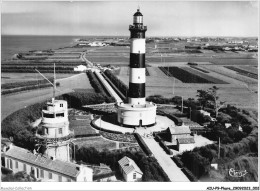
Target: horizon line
124, 35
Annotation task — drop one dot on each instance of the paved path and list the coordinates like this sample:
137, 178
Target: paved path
83, 57
170, 168
110, 90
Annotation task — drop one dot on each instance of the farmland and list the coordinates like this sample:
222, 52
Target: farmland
212, 68
188, 75
243, 72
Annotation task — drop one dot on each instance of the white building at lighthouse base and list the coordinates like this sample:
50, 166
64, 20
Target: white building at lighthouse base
136, 115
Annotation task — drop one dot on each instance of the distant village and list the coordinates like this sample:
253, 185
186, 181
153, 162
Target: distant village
208, 43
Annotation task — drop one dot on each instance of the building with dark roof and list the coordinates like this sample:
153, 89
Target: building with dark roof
178, 132
130, 170
44, 168
185, 144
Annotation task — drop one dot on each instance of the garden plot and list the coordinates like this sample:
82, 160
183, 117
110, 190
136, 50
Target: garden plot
225, 78
248, 69
188, 75
243, 72
205, 76
98, 143
81, 127
230, 73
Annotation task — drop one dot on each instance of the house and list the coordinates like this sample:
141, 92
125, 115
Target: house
130, 171
177, 132
80, 68
44, 168
185, 144
194, 126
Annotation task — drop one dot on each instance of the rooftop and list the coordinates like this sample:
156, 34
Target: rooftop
186, 140
179, 130
138, 13
128, 165
66, 168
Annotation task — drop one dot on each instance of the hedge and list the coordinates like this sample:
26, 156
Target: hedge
178, 162
79, 99
175, 119
22, 70
162, 144
143, 145
95, 83
9, 91
87, 135
189, 174
105, 175
26, 83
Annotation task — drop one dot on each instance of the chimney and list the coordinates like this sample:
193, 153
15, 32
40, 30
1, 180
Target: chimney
52, 158
4, 148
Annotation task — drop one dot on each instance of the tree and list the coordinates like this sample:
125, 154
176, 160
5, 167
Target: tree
210, 97
202, 98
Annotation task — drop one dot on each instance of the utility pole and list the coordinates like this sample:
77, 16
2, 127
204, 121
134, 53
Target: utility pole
173, 86
218, 147
54, 82
182, 104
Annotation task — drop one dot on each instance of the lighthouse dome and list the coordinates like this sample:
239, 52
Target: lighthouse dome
138, 13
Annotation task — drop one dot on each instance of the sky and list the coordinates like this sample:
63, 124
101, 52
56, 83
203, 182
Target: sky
164, 18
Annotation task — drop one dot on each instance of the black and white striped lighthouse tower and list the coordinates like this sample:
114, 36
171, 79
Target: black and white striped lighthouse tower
136, 95
137, 112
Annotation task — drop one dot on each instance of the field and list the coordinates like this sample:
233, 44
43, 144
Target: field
22, 77
243, 72
23, 99
189, 75
235, 88
230, 73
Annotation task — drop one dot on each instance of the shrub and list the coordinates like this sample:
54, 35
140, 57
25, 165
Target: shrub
197, 164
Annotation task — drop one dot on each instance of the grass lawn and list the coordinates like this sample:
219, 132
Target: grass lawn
97, 142
81, 127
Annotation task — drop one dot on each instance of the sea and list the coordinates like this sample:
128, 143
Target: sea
12, 44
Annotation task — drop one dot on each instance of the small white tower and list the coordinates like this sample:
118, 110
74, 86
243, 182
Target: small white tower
56, 129
55, 124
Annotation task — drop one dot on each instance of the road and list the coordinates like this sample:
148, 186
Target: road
170, 168
83, 58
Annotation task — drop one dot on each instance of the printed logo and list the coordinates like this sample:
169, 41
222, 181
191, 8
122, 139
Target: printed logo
236, 173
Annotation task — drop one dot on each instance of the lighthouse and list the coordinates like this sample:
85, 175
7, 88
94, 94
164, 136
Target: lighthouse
136, 94
137, 112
